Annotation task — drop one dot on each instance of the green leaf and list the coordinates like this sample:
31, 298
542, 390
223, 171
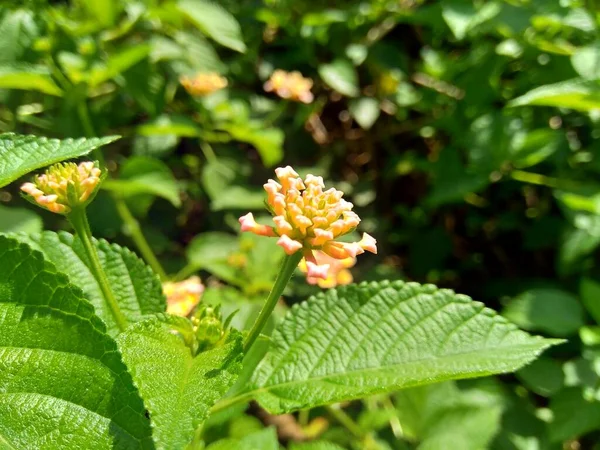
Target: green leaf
13, 220
543, 376
211, 252
268, 141
62, 381
145, 175
589, 290
166, 125
574, 415
215, 22
178, 388
21, 154
365, 111
341, 76
315, 445
380, 337
586, 61
458, 15
28, 77
553, 311
578, 94
442, 413
264, 440
18, 30
137, 289
117, 64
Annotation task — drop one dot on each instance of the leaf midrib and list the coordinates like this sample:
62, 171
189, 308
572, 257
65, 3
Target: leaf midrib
268, 388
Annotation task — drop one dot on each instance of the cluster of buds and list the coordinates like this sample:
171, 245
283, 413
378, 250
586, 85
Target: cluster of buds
203, 84
64, 186
338, 274
182, 297
308, 218
209, 327
290, 85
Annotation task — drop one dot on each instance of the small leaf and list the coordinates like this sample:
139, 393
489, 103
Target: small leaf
117, 64
62, 381
268, 141
341, 76
550, 310
586, 61
13, 220
136, 288
178, 388
365, 111
145, 175
589, 290
543, 376
575, 94
211, 252
458, 15
374, 338
28, 77
215, 22
264, 440
573, 414
21, 154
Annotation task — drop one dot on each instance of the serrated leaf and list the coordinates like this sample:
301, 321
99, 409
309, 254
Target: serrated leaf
143, 175
215, 22
137, 289
341, 76
21, 154
578, 94
28, 77
14, 220
62, 381
178, 388
380, 337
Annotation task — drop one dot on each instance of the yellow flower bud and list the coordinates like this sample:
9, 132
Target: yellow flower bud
203, 84
290, 85
182, 297
64, 186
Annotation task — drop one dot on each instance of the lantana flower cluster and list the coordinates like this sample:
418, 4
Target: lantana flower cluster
183, 296
290, 86
64, 186
203, 83
338, 274
309, 218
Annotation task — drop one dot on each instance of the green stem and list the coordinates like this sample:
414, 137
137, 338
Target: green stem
78, 220
133, 226
285, 273
345, 420
208, 151
534, 178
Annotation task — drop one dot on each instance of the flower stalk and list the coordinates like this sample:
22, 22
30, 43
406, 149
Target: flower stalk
285, 274
78, 219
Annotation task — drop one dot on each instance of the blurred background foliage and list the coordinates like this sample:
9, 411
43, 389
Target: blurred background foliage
465, 132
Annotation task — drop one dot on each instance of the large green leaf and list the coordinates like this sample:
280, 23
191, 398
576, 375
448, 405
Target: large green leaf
21, 154
62, 381
178, 388
137, 289
214, 21
578, 94
379, 337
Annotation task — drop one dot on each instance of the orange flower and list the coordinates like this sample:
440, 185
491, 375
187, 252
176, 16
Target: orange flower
290, 85
203, 83
182, 297
307, 218
338, 274
64, 186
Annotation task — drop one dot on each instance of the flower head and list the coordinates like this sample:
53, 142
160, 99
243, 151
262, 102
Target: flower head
64, 186
308, 218
182, 297
290, 85
203, 83
337, 274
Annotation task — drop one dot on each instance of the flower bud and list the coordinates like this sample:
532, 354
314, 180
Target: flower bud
182, 297
64, 186
203, 84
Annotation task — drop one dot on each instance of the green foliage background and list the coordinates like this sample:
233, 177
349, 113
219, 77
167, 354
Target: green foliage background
466, 134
